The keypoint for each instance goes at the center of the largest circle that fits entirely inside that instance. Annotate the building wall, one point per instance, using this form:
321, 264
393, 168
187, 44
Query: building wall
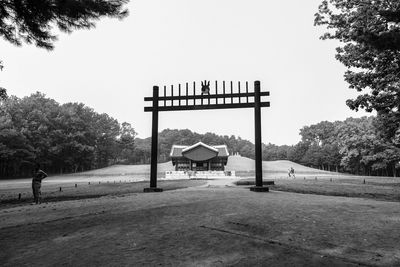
215, 164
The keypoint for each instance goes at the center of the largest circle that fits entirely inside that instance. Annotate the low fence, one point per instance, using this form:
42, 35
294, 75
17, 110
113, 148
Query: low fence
199, 174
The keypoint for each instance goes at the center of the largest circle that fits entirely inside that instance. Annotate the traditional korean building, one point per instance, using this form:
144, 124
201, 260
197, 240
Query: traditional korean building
199, 157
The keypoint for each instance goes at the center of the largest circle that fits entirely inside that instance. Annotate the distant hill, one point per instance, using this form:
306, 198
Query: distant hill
246, 167
242, 165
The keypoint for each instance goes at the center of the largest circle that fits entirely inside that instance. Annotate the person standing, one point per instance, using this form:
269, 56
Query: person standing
38, 176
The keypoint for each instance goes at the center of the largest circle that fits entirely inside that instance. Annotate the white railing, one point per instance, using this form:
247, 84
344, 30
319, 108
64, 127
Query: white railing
199, 174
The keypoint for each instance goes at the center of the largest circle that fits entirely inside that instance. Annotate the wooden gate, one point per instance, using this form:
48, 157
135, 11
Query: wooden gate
222, 97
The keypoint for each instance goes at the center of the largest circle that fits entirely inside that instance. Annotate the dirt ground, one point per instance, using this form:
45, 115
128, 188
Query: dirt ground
215, 224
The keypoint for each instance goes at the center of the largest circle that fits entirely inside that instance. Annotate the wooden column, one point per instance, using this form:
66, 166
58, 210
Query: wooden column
154, 144
258, 145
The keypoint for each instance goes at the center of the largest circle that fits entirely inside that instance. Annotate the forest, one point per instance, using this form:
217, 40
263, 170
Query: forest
62, 138
71, 137
355, 145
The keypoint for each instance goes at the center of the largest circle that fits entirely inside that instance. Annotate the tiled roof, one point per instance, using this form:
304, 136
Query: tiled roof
199, 144
176, 150
222, 151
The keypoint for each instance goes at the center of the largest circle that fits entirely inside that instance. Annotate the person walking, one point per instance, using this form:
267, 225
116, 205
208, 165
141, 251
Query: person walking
38, 176
292, 172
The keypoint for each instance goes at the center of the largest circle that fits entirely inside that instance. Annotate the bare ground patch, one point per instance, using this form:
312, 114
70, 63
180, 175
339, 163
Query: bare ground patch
203, 227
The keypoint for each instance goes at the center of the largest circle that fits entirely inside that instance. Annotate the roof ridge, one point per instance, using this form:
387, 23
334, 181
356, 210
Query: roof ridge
200, 144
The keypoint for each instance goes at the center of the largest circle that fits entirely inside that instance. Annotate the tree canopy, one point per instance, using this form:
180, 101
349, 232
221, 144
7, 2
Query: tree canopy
33, 21
63, 138
3, 91
370, 33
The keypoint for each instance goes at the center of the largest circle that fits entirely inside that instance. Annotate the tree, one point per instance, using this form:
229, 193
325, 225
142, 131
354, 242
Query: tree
370, 32
64, 138
3, 91
33, 21
127, 143
297, 152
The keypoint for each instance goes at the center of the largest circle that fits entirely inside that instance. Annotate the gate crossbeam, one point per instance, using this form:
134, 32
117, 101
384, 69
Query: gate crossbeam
210, 96
210, 106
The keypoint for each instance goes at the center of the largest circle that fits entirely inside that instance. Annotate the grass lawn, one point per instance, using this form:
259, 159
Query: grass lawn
52, 193
380, 188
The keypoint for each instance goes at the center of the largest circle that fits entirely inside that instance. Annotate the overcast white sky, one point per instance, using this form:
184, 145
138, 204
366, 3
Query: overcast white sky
112, 67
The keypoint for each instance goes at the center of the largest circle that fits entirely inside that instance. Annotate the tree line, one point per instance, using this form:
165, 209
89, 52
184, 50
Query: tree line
73, 137
62, 138
169, 137
369, 36
358, 146
355, 145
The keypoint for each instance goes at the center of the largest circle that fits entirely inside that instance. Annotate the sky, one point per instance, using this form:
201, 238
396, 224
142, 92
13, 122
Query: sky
112, 67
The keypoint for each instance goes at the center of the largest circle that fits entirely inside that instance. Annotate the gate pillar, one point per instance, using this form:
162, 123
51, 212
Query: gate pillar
154, 144
258, 145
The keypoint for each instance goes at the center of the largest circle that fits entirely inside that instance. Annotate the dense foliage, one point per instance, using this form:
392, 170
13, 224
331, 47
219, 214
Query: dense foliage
3, 91
33, 21
63, 138
353, 145
370, 33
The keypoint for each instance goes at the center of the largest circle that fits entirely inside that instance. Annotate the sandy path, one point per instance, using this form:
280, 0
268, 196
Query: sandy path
203, 226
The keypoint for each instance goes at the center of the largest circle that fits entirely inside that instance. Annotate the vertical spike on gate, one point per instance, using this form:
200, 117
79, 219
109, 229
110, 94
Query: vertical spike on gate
231, 92
209, 97
194, 93
201, 100
239, 92
223, 90
216, 92
179, 86
187, 94
165, 94
172, 94
247, 92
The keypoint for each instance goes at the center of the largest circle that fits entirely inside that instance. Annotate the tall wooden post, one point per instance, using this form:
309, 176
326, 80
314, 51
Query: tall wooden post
154, 144
258, 145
